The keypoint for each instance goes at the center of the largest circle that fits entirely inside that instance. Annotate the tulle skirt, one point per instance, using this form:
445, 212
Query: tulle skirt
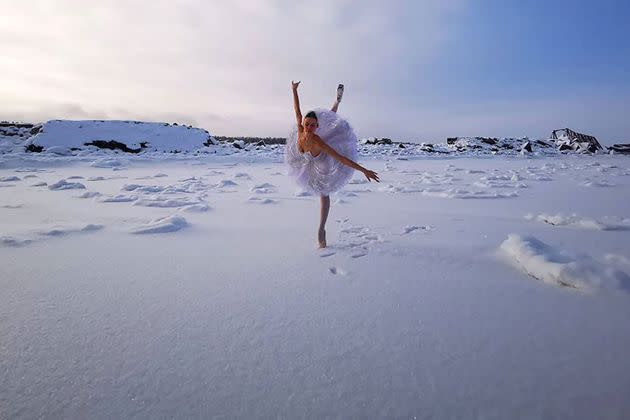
323, 175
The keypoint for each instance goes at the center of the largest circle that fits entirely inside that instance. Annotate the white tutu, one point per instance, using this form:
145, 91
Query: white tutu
323, 174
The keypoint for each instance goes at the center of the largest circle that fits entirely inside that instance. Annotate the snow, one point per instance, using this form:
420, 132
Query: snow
62, 184
60, 136
579, 222
162, 225
449, 290
558, 267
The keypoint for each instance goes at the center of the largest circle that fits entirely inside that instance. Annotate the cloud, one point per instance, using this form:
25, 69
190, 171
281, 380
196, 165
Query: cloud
197, 59
226, 65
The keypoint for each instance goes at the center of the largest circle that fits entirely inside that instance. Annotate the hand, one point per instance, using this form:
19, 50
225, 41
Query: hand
294, 85
371, 175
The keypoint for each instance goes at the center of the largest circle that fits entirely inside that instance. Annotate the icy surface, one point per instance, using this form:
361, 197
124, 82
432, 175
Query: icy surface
168, 292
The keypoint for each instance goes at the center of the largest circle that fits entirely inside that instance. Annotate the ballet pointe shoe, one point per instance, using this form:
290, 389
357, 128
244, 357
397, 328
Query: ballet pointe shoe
339, 92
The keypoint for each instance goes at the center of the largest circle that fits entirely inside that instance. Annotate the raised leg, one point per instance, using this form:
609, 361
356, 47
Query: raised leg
338, 98
321, 235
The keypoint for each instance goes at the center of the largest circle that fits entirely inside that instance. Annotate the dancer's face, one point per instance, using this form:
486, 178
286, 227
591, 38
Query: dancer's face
310, 125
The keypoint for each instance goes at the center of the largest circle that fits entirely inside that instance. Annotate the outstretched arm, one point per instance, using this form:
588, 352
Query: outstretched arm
348, 162
296, 104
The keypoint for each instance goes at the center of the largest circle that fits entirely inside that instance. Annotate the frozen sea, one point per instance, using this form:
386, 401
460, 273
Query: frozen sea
192, 287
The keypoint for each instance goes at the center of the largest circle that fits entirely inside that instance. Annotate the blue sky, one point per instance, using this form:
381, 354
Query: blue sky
414, 70
527, 48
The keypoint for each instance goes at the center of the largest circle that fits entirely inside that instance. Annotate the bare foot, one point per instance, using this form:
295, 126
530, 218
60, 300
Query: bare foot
321, 237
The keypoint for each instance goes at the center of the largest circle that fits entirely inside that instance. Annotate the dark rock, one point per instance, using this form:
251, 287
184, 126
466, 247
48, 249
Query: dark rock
238, 146
592, 148
17, 125
527, 147
34, 148
488, 140
451, 140
621, 148
565, 147
401, 146
248, 140
379, 141
115, 145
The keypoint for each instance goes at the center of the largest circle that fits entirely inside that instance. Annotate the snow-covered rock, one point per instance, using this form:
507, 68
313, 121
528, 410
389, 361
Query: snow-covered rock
569, 140
620, 148
13, 135
128, 136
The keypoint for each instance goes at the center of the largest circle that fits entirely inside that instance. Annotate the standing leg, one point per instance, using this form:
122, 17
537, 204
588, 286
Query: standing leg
321, 236
338, 99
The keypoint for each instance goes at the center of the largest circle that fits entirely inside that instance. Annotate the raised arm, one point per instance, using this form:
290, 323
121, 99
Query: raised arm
348, 162
296, 104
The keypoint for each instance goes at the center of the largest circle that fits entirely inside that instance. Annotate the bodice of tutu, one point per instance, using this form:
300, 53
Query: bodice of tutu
323, 174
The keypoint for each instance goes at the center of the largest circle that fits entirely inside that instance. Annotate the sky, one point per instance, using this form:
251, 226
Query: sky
417, 70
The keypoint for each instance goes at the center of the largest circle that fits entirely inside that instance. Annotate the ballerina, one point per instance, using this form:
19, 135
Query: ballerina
322, 162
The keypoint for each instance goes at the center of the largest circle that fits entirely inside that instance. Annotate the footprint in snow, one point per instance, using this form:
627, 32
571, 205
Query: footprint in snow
337, 270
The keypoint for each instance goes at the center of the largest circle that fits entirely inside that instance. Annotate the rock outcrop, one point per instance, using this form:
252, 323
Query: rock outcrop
567, 139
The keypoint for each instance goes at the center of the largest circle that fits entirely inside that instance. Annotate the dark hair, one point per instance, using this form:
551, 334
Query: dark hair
311, 114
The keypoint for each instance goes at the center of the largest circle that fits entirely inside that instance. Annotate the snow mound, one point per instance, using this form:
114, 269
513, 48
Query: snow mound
65, 230
578, 222
560, 268
65, 185
128, 136
226, 183
89, 194
12, 241
163, 202
162, 225
118, 198
466, 194
264, 188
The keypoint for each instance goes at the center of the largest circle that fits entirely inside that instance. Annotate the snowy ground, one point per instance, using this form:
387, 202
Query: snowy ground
456, 288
